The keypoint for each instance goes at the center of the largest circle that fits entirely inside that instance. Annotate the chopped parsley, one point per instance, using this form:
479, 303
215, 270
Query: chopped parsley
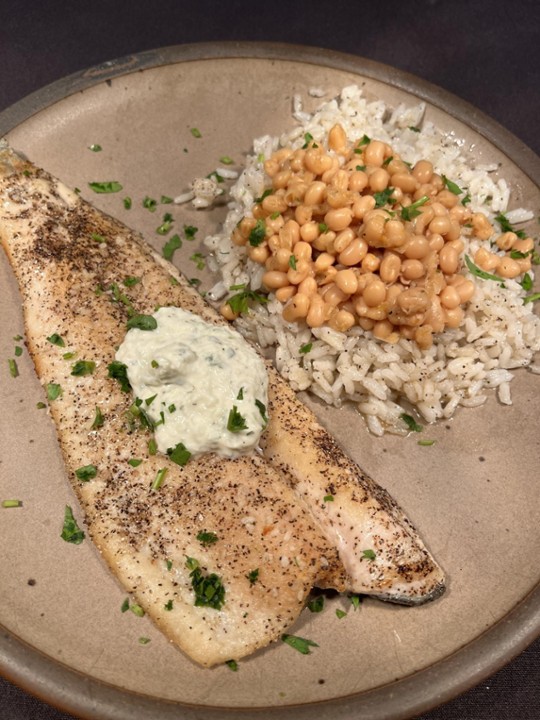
11, 503
118, 371
166, 200
426, 443
111, 186
86, 472
340, 613
179, 454
262, 409
171, 246
149, 203
98, 419
236, 422
316, 605
475, 270
411, 423
387, 161
54, 391
127, 203
454, 189
239, 303
292, 262
328, 498
83, 367
209, 590
411, 211
531, 298
232, 665
152, 446
137, 610
98, 238
368, 554
413, 128
18, 351
507, 227
95, 147
383, 198
13, 368
298, 643
168, 605
253, 576
226, 160
160, 477
258, 233
355, 601
142, 322
144, 640
131, 280
308, 137
240, 395
166, 225
69, 355
124, 607
199, 260
323, 227
195, 132
207, 538
56, 339
306, 348
134, 462
71, 532
526, 282
190, 231
41, 405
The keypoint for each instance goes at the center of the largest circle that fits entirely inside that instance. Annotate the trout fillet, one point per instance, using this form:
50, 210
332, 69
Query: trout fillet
277, 538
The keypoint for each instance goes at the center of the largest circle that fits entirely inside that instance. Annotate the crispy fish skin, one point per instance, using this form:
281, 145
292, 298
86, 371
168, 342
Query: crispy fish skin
47, 232
147, 535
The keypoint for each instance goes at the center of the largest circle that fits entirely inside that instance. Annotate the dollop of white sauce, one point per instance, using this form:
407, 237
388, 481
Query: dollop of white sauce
192, 377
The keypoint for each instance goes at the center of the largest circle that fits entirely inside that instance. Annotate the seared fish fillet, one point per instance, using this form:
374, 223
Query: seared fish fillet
268, 512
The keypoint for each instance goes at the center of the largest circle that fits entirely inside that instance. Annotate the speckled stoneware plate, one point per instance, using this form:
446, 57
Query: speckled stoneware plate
473, 495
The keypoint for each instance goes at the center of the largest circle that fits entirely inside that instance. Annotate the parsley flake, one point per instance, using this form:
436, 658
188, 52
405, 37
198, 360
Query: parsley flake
316, 605
13, 368
171, 246
111, 186
54, 391
86, 472
236, 422
207, 538
195, 132
253, 576
118, 371
298, 643
368, 554
98, 419
160, 477
142, 322
179, 454
306, 348
232, 665
411, 423
454, 189
258, 233
340, 613
12, 503
83, 367
56, 339
71, 532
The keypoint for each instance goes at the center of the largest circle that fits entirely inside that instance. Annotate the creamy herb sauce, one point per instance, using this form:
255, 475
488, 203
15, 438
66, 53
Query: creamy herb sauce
190, 376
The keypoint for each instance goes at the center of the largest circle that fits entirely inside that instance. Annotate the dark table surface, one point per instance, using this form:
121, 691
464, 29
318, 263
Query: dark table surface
487, 53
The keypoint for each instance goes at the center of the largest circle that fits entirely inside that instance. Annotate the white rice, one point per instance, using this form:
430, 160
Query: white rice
384, 380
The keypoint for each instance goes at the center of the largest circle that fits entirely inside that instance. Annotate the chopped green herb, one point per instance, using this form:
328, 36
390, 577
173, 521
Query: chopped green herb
262, 410
426, 443
168, 605
301, 644
166, 200
154, 364
199, 259
209, 590
160, 477
308, 137
316, 605
328, 498
168, 564
137, 610
150, 400
411, 211
232, 665
71, 532
207, 538
275, 215
466, 200
152, 446
98, 238
13, 368
360, 168
411, 423
166, 225
86, 472
69, 355
413, 128
239, 303
240, 395
125, 606
179, 454
306, 348
323, 228
236, 422
190, 231
18, 351
195, 282
368, 554
355, 601
149, 203
191, 563
118, 371
531, 298
98, 419
144, 640
387, 161
83, 367
364, 140
507, 227
216, 176
383, 198
253, 576
95, 147
195, 132
134, 462
226, 160
41, 405
131, 280
340, 613
18, 338
257, 235
526, 282
455, 189
56, 339
11, 503
292, 262
172, 408
127, 203
112, 186
474, 270
54, 391
171, 246
142, 322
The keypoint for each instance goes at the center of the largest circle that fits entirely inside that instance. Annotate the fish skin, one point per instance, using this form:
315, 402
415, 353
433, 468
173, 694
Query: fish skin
47, 232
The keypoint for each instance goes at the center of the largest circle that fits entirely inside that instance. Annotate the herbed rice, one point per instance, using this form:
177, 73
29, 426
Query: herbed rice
384, 380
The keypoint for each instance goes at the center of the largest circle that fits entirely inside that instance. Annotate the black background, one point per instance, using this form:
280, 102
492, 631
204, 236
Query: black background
487, 53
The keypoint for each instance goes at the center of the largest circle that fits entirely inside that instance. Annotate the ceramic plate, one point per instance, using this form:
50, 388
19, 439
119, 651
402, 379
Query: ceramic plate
472, 495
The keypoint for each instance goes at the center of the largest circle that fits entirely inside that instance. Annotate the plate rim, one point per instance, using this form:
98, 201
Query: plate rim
93, 699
